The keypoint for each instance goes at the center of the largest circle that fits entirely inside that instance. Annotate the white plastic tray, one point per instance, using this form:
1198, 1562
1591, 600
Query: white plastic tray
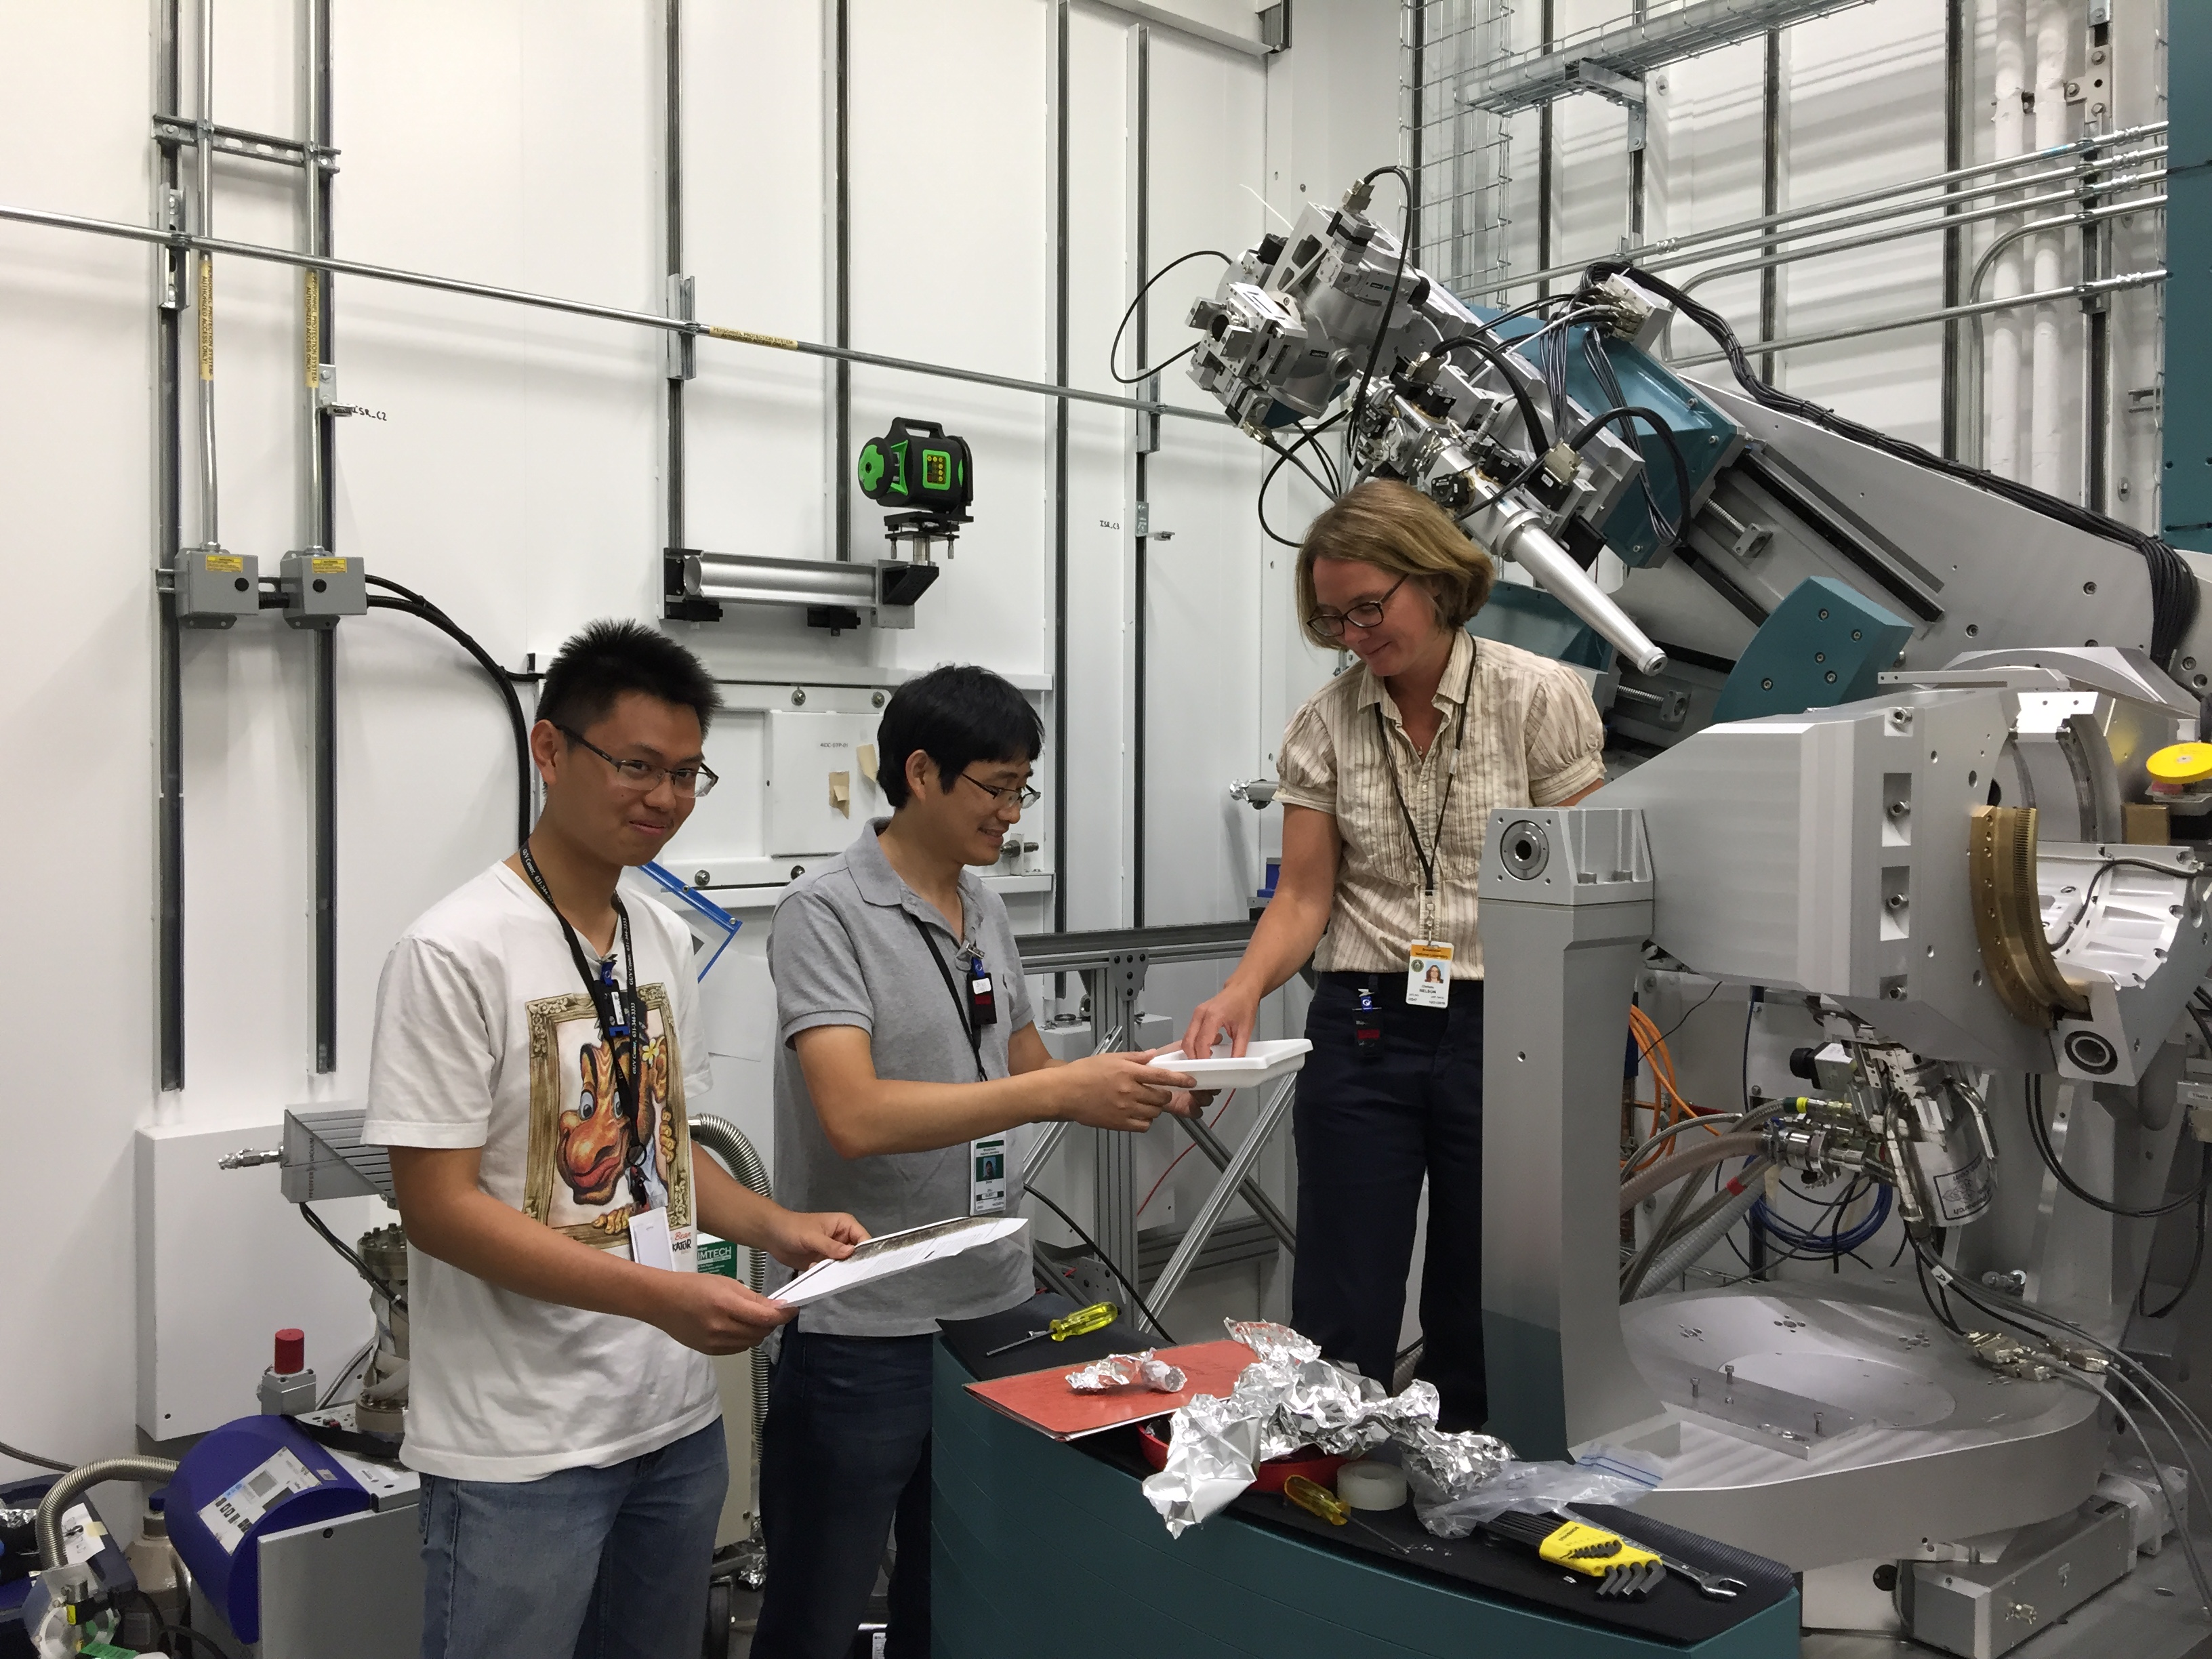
1263, 1062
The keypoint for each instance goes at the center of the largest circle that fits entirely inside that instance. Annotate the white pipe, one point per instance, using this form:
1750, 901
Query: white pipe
2047, 388
2003, 410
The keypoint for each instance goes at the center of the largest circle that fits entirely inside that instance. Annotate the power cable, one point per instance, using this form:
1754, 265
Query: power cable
2040, 1132
2172, 588
346, 1251
1260, 502
2197, 1254
1105, 1261
1389, 304
409, 602
1114, 351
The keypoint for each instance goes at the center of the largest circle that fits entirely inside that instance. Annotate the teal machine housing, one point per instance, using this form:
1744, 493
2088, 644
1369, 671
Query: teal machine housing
2186, 497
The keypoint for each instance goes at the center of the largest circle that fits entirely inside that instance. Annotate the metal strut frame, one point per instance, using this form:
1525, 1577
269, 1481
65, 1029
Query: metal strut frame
1114, 964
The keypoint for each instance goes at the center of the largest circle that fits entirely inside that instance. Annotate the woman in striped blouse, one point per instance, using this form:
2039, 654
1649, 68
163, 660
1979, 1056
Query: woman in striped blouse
1389, 775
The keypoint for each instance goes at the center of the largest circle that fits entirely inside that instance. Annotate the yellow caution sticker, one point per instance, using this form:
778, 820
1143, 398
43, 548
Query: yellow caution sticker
230, 562
330, 567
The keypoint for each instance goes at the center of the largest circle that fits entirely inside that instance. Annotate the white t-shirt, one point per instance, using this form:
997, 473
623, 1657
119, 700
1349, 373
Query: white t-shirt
486, 1037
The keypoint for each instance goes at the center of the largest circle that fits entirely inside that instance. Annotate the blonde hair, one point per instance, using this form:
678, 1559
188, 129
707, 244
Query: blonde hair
1395, 528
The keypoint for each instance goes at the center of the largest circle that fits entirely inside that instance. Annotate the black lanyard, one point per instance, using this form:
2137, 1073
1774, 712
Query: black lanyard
620, 1013
969, 1028
1428, 855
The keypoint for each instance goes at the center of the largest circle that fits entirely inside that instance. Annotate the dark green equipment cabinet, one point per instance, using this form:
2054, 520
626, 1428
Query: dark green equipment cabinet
1042, 1549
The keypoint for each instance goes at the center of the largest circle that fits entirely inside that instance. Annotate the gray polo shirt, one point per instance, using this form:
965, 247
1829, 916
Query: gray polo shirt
843, 952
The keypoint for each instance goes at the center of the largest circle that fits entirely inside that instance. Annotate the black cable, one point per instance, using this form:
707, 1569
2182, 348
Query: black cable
1502, 361
1105, 1261
1114, 351
414, 605
1669, 532
1687, 1012
350, 1255
2089, 893
2197, 1255
2040, 1132
1390, 304
2172, 589
1260, 502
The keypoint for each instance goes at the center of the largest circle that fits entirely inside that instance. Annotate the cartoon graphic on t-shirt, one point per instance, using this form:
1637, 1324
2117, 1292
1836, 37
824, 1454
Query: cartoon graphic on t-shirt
593, 1165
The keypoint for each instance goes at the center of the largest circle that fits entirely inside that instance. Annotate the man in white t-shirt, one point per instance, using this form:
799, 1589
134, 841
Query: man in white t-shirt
536, 1042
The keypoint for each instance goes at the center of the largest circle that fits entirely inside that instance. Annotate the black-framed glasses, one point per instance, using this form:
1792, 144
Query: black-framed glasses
1021, 791
644, 776
1368, 613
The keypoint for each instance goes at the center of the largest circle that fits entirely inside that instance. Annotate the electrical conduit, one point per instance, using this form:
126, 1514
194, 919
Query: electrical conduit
1671, 1263
2047, 411
1703, 1155
2002, 414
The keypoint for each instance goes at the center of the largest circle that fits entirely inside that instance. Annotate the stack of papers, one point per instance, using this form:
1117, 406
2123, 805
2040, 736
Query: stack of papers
894, 1253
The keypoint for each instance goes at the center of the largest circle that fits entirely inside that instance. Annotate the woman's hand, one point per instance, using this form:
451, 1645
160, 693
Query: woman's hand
1233, 1011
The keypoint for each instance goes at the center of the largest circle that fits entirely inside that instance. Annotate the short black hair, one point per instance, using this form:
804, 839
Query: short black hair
614, 656
957, 715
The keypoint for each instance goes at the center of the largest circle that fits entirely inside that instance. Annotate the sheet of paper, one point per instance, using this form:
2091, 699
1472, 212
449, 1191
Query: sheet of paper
895, 1252
866, 754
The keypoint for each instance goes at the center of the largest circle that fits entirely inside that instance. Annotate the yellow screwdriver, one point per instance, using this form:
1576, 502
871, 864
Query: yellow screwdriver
1084, 1320
1317, 1499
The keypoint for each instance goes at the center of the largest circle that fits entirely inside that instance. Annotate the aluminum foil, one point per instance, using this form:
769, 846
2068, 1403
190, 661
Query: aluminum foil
1122, 1372
1290, 1398
1443, 1469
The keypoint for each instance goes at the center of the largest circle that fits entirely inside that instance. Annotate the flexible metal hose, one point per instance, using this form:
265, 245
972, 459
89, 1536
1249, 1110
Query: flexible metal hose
1673, 1261
735, 1153
1668, 1170
74, 1485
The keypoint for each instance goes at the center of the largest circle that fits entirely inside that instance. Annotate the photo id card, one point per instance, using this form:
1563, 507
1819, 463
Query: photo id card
987, 1177
1428, 974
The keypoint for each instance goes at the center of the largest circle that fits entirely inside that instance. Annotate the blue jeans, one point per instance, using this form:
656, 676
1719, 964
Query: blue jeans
602, 1564
1371, 1122
844, 1460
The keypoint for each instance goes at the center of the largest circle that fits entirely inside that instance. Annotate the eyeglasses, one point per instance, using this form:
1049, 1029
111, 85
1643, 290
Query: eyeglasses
1021, 791
1367, 614
644, 776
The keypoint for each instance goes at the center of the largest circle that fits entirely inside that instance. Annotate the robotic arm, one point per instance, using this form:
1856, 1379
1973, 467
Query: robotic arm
1449, 409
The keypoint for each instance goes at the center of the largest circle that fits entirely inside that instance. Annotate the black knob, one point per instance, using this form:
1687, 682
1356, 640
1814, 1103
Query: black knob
1885, 1576
1801, 1064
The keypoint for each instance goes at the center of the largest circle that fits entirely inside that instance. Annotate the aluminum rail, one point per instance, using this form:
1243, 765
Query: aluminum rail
1203, 941
1649, 253
208, 246
1217, 1202
1206, 1142
2120, 284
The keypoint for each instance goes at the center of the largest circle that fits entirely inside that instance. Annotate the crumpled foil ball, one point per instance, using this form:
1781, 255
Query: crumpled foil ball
1291, 1397
1121, 1372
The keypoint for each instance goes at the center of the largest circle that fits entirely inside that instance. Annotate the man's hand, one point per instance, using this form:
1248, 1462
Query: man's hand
800, 1240
1122, 1091
713, 1314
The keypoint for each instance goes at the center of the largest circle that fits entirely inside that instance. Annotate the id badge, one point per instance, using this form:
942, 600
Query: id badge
1428, 974
650, 1242
986, 1175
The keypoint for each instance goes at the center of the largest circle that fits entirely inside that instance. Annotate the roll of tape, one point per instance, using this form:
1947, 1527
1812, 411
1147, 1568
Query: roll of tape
1371, 1486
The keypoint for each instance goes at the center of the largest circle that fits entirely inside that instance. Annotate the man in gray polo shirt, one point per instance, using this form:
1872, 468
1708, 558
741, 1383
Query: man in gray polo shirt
907, 1052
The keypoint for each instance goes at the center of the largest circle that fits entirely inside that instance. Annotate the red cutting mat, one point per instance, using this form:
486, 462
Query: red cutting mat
1044, 1401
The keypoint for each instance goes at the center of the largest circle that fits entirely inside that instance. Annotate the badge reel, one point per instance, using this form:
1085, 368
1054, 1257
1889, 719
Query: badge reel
988, 1155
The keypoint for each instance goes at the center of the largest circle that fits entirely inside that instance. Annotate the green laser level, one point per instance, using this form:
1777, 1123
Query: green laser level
919, 467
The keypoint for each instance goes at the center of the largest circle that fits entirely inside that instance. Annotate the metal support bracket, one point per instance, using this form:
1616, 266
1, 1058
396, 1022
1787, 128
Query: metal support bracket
1610, 84
680, 347
174, 131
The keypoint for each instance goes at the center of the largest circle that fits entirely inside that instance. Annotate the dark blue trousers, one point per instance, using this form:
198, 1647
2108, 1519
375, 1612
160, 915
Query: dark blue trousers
844, 1460
1373, 1120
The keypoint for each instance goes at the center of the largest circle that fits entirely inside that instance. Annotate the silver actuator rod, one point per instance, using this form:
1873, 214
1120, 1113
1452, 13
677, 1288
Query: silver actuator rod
1514, 533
